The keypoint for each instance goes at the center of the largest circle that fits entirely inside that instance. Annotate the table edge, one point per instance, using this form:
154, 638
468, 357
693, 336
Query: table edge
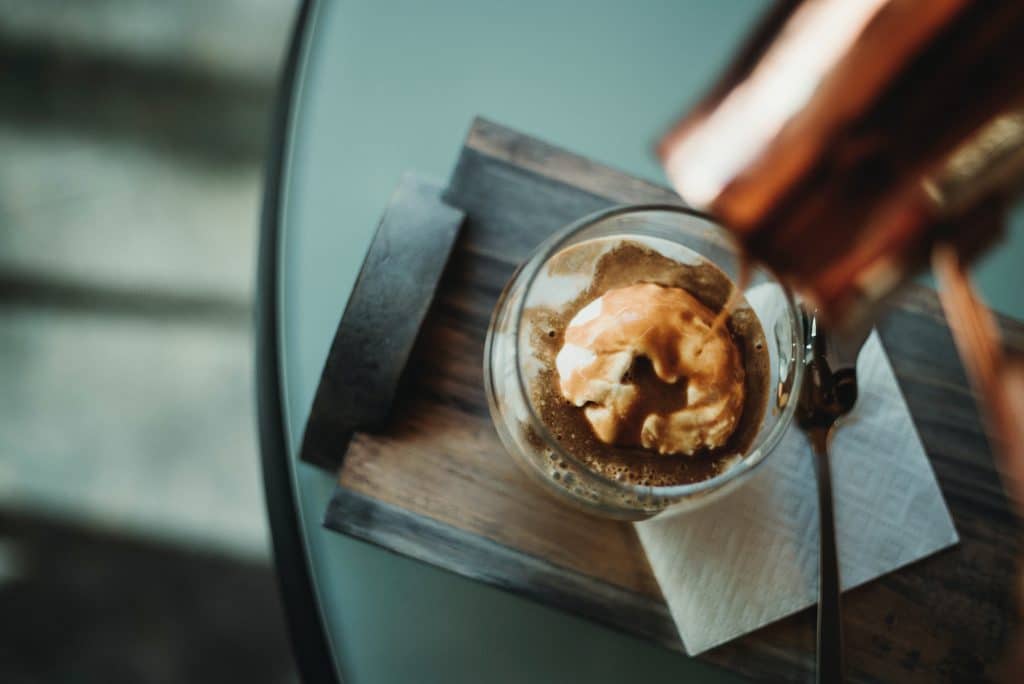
306, 629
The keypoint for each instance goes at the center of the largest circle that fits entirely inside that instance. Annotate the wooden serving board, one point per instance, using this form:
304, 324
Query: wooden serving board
435, 483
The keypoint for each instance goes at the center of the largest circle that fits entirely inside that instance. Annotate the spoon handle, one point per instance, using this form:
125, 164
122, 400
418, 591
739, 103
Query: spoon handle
830, 632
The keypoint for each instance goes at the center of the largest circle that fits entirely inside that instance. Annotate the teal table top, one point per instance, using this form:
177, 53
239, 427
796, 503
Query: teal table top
386, 86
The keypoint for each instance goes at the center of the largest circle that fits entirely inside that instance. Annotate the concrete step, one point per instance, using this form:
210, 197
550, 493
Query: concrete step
143, 424
233, 39
116, 214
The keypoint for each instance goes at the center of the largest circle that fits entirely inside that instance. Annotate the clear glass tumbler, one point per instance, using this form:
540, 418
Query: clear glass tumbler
507, 364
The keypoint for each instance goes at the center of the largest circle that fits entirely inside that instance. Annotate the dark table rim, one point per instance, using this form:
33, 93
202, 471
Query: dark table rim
310, 646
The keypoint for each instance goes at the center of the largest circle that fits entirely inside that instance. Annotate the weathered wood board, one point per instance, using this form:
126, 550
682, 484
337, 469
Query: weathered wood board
383, 317
436, 484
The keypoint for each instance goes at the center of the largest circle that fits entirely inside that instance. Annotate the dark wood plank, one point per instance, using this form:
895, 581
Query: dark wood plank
554, 163
436, 484
392, 294
510, 210
437, 446
478, 557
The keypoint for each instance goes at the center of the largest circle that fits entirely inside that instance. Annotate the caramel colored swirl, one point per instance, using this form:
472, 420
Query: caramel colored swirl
648, 371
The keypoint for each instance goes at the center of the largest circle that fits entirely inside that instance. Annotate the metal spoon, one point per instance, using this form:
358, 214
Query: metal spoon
829, 392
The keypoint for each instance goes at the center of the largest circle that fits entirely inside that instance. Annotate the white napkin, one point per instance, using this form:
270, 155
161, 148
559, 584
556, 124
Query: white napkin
751, 557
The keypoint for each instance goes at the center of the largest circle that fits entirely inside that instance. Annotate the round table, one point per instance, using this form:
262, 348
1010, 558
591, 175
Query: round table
372, 89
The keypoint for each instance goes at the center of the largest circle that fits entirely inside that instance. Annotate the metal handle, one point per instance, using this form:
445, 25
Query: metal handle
830, 622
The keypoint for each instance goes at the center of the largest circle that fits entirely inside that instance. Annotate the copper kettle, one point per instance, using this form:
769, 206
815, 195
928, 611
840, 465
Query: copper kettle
852, 141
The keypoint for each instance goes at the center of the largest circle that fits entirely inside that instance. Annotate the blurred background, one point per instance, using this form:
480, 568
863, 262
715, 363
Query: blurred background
133, 536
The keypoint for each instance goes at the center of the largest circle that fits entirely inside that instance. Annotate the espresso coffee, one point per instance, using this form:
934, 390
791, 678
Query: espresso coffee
639, 439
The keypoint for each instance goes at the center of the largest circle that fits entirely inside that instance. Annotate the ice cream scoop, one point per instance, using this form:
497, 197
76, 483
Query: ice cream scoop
646, 367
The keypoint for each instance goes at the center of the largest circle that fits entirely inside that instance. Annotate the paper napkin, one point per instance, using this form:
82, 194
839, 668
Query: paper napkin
751, 557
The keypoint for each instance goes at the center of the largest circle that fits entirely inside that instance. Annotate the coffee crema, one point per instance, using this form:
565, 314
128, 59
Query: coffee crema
629, 419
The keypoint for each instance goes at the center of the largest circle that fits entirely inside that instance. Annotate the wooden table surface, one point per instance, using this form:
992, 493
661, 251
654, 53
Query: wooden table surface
436, 484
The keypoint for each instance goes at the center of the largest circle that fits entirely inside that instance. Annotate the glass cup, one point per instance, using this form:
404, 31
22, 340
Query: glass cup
509, 361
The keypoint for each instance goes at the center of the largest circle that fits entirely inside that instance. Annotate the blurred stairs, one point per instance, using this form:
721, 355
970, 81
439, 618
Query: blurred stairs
133, 135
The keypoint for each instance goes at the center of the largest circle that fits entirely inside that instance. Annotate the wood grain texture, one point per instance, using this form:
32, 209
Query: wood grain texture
396, 285
437, 485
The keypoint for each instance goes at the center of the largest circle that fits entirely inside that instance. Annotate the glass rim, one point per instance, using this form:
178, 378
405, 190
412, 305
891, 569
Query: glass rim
748, 461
